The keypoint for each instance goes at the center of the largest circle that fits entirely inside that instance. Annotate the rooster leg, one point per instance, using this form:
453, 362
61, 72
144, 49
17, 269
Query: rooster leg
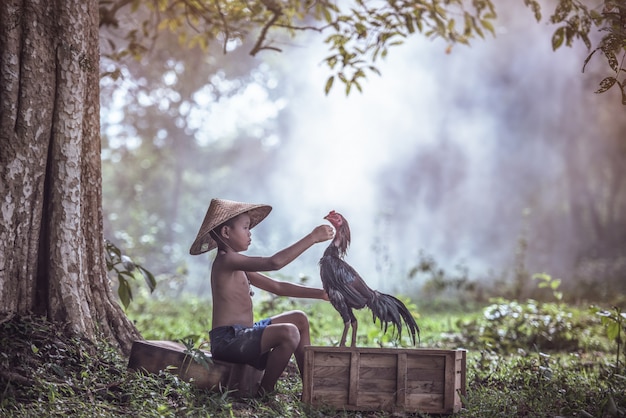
346, 325
355, 325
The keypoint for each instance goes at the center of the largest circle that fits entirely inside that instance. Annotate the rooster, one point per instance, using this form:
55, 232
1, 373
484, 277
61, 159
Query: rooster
346, 289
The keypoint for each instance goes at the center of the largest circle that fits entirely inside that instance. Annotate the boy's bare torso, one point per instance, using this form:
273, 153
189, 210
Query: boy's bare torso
232, 303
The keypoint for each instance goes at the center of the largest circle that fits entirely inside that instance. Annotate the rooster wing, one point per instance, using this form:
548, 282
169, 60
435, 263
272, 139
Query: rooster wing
345, 288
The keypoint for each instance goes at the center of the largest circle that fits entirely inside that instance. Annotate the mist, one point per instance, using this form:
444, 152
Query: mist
459, 155
451, 154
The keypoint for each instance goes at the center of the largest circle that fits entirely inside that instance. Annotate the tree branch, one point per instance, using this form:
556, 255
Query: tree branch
276, 12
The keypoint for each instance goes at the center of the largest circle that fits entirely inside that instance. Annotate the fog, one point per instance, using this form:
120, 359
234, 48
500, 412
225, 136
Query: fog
457, 155
446, 153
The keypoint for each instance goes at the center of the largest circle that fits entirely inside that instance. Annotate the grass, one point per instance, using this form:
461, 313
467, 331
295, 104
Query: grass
531, 359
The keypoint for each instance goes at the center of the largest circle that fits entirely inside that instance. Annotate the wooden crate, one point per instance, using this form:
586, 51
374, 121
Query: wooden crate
385, 379
153, 356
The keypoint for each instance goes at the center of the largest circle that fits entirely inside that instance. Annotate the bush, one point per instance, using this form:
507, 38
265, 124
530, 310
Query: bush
506, 326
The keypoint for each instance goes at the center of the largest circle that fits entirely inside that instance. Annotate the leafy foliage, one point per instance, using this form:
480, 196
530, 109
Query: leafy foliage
506, 326
361, 31
366, 33
123, 267
615, 324
548, 282
575, 21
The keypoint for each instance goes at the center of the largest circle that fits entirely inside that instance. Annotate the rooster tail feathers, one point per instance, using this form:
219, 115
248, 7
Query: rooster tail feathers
391, 311
411, 324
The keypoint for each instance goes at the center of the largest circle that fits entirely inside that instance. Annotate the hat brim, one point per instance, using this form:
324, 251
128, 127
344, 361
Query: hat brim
220, 211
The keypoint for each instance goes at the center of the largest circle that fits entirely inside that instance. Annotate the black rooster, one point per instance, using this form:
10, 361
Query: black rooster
346, 289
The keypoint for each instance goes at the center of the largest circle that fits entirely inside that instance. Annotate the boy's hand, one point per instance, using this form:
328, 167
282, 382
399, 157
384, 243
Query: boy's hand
323, 233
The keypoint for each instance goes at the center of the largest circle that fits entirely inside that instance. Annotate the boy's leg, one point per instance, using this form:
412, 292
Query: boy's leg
301, 321
282, 339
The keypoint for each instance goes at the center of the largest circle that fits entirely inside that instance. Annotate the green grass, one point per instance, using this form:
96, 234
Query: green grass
526, 359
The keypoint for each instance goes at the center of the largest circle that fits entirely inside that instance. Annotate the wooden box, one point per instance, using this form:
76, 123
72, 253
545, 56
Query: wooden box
153, 356
385, 379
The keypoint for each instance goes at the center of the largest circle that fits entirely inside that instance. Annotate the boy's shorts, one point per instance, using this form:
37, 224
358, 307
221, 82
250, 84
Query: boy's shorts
240, 344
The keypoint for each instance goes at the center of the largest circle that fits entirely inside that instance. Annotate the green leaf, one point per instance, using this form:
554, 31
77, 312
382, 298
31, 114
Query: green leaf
451, 24
408, 22
329, 84
124, 292
612, 331
488, 25
606, 84
374, 69
557, 38
611, 59
149, 278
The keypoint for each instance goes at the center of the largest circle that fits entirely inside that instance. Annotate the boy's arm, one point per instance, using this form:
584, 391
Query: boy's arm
236, 261
281, 288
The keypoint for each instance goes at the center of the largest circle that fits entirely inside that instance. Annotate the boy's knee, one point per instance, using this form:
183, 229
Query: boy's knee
301, 320
292, 334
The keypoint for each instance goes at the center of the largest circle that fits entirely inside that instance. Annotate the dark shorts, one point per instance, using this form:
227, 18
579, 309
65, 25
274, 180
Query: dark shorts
240, 344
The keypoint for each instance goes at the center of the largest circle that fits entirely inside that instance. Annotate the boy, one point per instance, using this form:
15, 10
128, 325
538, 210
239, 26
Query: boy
269, 343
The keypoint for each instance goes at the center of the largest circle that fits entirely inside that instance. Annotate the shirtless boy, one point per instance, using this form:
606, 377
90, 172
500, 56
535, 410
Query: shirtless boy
267, 344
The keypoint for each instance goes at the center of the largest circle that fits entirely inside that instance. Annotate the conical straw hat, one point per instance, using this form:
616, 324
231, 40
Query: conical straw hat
220, 211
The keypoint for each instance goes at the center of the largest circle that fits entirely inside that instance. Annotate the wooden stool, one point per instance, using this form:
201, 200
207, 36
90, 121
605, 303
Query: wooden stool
153, 356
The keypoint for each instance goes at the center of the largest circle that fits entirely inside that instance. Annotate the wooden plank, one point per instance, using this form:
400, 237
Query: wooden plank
437, 375
425, 386
332, 384
426, 402
321, 372
401, 380
382, 373
330, 399
353, 395
376, 401
461, 380
426, 362
378, 360
378, 385
308, 387
449, 381
332, 359
340, 374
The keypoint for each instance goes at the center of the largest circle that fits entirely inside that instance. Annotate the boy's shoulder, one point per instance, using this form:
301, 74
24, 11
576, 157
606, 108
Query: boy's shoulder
221, 265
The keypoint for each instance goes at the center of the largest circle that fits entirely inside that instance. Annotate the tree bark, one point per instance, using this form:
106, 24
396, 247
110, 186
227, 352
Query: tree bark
51, 240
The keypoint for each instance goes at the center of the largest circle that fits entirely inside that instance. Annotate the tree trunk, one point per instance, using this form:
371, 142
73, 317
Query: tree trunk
51, 240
